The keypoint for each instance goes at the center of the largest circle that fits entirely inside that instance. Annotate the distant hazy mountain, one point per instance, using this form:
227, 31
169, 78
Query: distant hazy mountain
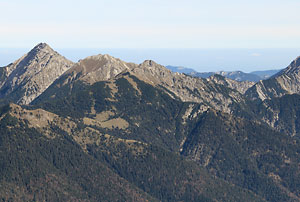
265, 74
235, 75
180, 69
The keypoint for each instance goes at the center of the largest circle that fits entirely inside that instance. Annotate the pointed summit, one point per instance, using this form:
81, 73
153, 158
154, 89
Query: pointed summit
149, 63
293, 68
284, 82
152, 73
29, 76
40, 50
296, 62
154, 68
41, 46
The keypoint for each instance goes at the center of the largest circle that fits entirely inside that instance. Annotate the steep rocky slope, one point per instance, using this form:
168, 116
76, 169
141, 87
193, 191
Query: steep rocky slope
29, 76
223, 95
282, 114
190, 89
240, 86
285, 82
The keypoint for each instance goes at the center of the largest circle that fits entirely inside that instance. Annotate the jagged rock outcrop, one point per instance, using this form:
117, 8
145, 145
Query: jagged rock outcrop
32, 74
285, 82
240, 86
190, 89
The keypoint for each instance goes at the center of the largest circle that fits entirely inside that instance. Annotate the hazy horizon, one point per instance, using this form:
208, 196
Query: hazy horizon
201, 60
203, 35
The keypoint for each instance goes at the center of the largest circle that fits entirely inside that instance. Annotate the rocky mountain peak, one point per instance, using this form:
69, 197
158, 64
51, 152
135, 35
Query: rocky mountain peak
287, 81
152, 66
293, 68
153, 73
296, 62
100, 57
98, 68
41, 50
41, 46
149, 63
33, 73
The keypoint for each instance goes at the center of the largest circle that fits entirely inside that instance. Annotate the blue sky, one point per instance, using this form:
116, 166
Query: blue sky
151, 24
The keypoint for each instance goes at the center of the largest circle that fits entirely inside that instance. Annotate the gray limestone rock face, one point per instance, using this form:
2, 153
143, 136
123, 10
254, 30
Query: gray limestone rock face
32, 74
191, 89
284, 82
240, 86
98, 68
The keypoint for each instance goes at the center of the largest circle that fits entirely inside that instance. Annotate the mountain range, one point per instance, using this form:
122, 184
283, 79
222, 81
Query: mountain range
254, 76
103, 129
